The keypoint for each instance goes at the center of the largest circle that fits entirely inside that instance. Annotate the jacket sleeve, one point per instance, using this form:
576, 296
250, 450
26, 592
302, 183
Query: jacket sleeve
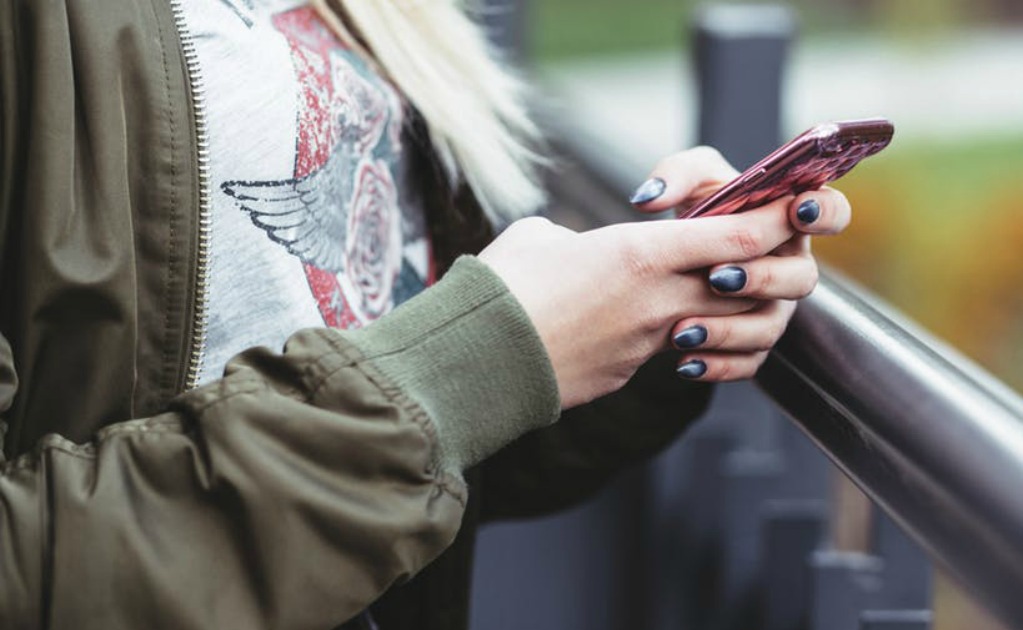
558, 466
290, 493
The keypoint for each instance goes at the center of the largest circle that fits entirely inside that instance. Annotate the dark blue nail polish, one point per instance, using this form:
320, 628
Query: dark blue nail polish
691, 337
648, 191
728, 279
692, 369
808, 211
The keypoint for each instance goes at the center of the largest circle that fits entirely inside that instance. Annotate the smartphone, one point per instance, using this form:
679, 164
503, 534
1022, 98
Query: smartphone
815, 157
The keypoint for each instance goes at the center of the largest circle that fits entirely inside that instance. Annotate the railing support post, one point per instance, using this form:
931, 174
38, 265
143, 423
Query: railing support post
845, 584
896, 620
792, 532
740, 53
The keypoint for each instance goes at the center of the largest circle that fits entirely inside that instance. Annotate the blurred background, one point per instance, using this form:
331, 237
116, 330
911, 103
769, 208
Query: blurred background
938, 227
938, 216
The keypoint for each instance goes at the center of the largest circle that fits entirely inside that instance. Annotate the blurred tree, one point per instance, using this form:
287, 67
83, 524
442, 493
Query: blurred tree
921, 16
931, 15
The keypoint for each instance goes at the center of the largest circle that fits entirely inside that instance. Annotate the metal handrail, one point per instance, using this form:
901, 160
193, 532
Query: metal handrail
935, 440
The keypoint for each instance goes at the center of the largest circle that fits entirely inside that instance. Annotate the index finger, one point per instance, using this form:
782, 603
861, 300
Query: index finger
707, 241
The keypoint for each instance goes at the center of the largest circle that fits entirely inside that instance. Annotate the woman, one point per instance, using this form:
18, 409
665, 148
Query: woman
184, 184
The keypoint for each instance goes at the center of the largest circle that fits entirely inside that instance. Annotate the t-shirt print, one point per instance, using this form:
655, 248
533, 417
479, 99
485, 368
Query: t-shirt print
339, 213
313, 220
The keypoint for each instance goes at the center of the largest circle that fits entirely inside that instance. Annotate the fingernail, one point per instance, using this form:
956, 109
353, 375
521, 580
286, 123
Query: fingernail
648, 191
808, 211
692, 369
728, 279
691, 337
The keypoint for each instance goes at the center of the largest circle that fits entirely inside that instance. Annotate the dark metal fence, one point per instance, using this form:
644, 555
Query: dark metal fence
935, 441
732, 528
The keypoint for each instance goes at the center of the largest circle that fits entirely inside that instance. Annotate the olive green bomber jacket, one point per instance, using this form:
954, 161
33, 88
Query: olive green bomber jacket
301, 486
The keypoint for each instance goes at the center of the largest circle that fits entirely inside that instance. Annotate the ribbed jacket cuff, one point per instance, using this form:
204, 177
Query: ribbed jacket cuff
466, 351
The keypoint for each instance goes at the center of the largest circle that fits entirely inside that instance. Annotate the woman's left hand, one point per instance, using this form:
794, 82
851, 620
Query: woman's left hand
733, 347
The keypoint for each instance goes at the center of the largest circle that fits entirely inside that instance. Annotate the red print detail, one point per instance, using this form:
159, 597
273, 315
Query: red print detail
372, 231
321, 105
311, 44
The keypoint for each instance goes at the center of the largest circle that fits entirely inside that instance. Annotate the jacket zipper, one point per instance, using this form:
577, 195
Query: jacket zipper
197, 343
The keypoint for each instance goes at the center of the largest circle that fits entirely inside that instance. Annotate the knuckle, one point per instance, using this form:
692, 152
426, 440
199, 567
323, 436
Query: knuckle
531, 223
617, 380
524, 227
650, 322
746, 241
774, 332
707, 152
715, 161
744, 367
725, 370
724, 335
758, 360
623, 370
635, 257
810, 279
764, 280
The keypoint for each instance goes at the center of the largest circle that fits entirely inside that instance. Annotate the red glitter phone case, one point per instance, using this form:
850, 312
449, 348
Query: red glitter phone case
814, 158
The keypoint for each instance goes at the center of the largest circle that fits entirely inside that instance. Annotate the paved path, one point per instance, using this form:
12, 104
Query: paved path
637, 108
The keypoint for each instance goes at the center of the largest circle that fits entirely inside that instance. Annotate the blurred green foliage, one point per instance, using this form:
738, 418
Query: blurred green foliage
569, 28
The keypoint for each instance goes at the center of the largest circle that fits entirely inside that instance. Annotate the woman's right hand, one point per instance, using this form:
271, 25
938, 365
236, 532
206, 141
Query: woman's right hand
605, 301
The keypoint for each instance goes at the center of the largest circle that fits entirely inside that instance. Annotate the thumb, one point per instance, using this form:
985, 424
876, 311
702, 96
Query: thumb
681, 178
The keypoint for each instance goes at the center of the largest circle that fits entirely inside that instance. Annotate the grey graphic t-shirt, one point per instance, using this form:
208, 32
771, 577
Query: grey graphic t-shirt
312, 221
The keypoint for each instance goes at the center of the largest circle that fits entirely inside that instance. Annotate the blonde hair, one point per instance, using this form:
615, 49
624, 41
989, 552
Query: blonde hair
473, 107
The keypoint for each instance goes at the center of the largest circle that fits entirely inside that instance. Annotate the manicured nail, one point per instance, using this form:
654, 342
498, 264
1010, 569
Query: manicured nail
648, 191
808, 211
692, 369
728, 279
691, 337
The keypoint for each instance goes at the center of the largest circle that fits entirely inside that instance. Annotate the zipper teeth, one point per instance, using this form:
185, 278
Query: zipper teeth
198, 92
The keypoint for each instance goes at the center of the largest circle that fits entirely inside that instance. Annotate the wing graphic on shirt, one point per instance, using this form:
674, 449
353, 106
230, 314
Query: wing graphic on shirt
308, 216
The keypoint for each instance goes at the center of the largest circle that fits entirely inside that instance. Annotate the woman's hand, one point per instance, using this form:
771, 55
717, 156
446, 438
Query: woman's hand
606, 300
733, 347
